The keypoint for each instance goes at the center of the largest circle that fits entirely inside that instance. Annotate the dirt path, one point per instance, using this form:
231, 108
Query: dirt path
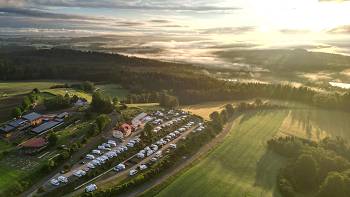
185, 163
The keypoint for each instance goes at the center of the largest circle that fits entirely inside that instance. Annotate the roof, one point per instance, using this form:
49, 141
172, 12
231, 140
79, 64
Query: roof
6, 128
35, 143
125, 126
32, 116
62, 115
45, 126
17, 123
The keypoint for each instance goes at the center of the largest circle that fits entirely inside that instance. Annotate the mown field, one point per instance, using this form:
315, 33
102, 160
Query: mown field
242, 166
316, 124
14, 88
113, 90
69, 91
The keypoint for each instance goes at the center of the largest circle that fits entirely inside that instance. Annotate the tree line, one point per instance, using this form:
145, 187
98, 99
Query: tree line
142, 76
322, 168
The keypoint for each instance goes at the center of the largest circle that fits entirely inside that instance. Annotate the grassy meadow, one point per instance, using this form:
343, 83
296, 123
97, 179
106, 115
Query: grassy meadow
15, 88
113, 90
69, 91
240, 166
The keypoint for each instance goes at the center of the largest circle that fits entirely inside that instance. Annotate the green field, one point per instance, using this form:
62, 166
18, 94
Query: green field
315, 124
69, 91
23, 87
113, 90
8, 177
240, 166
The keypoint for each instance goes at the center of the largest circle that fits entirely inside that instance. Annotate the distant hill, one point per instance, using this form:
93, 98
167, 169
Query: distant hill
26, 63
288, 60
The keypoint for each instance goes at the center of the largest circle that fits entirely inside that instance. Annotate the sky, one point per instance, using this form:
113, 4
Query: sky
186, 30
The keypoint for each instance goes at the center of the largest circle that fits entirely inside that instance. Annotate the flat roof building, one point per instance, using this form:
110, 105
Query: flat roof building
46, 127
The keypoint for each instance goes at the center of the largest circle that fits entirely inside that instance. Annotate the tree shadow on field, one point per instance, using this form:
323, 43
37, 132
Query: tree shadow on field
267, 169
249, 115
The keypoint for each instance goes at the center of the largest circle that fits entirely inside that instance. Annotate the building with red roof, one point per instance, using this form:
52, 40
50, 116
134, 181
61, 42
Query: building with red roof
126, 129
34, 145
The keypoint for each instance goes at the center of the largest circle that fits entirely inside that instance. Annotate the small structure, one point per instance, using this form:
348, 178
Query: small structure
118, 135
137, 121
126, 129
62, 115
47, 126
81, 102
5, 130
34, 145
18, 123
33, 118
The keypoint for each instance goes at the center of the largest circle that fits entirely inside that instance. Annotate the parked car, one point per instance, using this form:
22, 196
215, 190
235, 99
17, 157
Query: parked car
130, 145
133, 172
119, 167
143, 167
79, 173
97, 152
90, 188
173, 146
158, 154
91, 166
154, 159
149, 152
96, 162
62, 179
91, 157
54, 182
140, 155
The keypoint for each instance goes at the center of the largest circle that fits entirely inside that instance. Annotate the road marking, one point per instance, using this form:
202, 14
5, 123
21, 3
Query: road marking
41, 156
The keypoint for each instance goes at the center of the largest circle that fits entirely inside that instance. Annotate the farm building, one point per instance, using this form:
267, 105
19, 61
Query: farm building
34, 145
47, 126
5, 130
18, 123
33, 118
126, 129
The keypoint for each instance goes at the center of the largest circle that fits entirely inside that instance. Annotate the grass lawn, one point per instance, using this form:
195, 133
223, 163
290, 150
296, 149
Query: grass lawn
23, 87
7, 177
113, 90
240, 166
70, 91
4, 146
74, 131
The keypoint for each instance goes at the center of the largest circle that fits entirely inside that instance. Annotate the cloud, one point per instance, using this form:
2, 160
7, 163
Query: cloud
294, 31
13, 11
228, 30
345, 29
159, 21
179, 5
129, 24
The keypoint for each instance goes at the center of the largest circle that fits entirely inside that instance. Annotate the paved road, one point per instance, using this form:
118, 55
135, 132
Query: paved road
110, 175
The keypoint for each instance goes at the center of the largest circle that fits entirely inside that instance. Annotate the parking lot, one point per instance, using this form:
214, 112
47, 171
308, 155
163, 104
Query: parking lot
133, 163
111, 149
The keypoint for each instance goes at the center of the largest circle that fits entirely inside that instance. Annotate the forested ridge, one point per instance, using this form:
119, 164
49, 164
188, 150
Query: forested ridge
145, 77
